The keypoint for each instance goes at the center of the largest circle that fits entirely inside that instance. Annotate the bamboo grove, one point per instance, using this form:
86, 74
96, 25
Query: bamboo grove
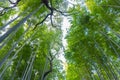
31, 40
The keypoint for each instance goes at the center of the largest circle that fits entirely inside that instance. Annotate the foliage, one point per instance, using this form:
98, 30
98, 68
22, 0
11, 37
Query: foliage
28, 52
93, 45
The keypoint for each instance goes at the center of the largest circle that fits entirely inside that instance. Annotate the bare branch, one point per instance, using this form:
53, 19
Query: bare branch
15, 3
52, 9
41, 21
50, 69
6, 9
11, 2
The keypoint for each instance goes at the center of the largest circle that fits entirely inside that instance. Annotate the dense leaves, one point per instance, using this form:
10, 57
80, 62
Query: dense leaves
93, 46
30, 52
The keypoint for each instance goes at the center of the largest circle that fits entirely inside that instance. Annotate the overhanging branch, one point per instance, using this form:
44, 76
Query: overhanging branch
52, 9
6, 9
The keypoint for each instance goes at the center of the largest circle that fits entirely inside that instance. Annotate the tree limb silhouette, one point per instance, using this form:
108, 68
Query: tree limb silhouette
50, 59
52, 9
6, 9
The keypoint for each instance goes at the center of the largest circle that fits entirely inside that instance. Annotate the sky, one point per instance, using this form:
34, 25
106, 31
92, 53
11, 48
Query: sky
65, 28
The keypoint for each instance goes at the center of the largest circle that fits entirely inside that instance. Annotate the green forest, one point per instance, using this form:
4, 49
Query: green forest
59, 39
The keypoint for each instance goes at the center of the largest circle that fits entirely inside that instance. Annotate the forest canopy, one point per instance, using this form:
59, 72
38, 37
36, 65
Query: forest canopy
59, 40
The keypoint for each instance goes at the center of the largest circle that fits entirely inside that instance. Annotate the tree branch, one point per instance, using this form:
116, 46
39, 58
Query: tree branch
50, 58
15, 3
52, 9
11, 2
5, 9
49, 71
41, 21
